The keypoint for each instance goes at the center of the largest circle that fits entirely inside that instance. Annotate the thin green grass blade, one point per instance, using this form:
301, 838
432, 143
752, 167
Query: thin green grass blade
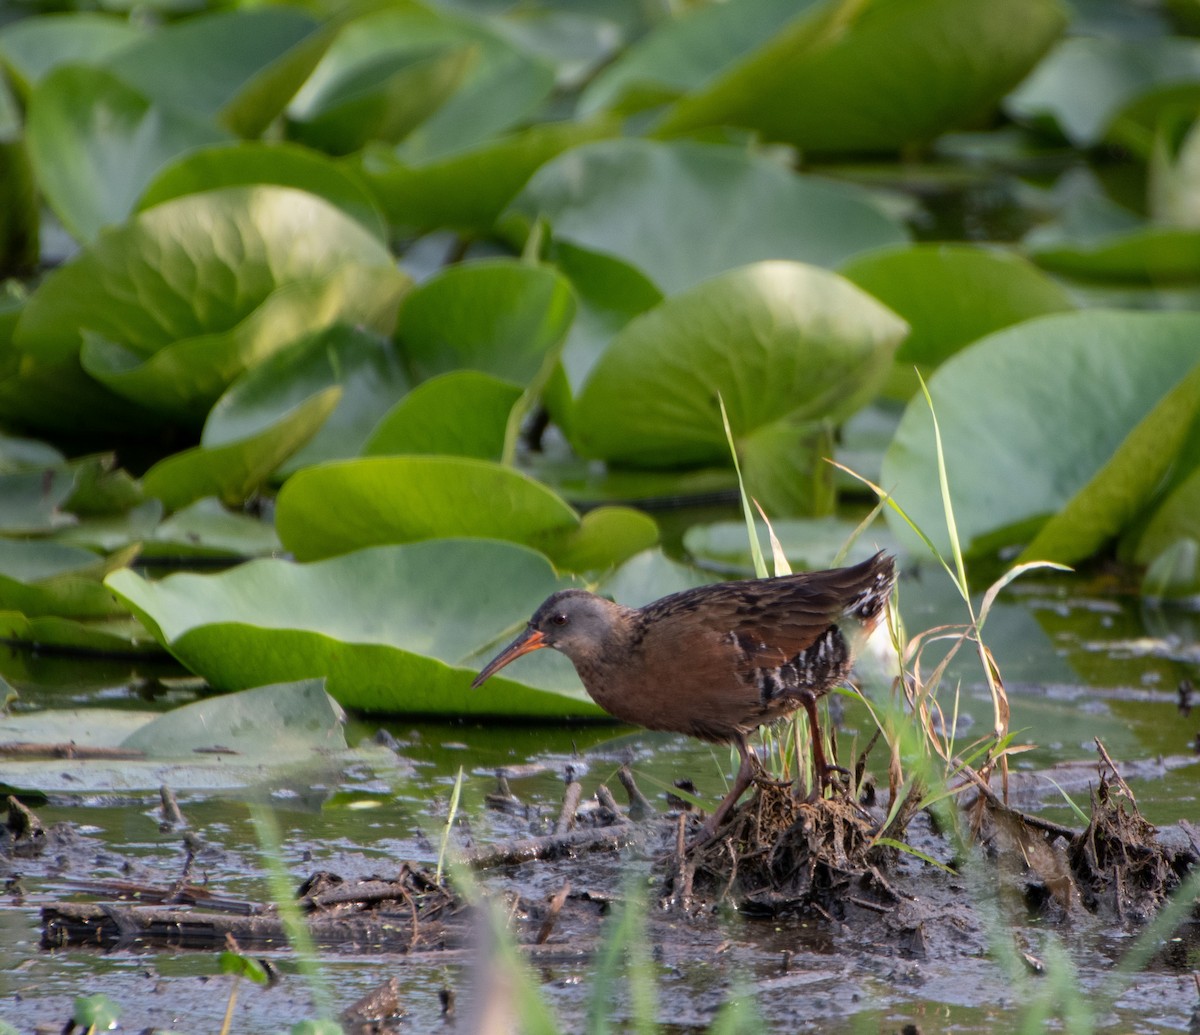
454, 797
756, 554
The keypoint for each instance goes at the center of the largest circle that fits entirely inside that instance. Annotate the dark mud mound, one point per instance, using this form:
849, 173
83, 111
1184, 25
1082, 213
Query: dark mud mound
780, 855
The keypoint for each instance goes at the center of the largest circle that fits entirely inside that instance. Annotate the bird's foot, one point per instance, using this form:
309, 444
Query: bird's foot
826, 782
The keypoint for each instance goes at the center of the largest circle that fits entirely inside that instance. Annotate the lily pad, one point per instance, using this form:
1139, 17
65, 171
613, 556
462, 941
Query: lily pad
468, 189
372, 94
809, 544
503, 317
306, 739
951, 295
463, 413
121, 635
402, 499
887, 74
39, 577
281, 164
182, 381
779, 341
683, 212
1084, 84
194, 266
1095, 409
685, 53
32, 48
237, 67
301, 716
96, 143
234, 471
364, 365
207, 528
400, 629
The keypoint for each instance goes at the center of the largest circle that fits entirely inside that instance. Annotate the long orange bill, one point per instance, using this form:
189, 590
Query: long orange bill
531, 639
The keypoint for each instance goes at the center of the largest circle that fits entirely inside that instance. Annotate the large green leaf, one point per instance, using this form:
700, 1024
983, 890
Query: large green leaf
401, 499
1086, 82
1094, 409
238, 67
372, 94
182, 381
467, 190
96, 142
887, 72
394, 628
284, 165
1148, 255
951, 294
682, 212
685, 53
463, 413
609, 294
364, 365
503, 317
194, 266
778, 341
213, 744
808, 544
123, 635
235, 471
32, 48
47, 578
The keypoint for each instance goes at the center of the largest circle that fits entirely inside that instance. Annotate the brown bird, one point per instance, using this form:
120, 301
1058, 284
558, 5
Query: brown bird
717, 661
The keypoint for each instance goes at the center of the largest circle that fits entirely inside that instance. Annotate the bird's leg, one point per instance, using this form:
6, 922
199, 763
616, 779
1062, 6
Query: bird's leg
743, 779
821, 767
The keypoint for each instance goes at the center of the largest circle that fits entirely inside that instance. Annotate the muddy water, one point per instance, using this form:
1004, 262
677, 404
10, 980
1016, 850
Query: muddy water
1077, 668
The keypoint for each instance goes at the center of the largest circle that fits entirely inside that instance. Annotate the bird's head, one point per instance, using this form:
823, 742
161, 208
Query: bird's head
577, 623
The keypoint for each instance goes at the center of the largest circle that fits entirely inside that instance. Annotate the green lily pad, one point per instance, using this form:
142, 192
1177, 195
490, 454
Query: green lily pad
1084, 84
237, 67
951, 295
503, 317
32, 48
779, 341
182, 381
43, 577
108, 532
400, 499
120, 635
364, 365
207, 528
361, 93
683, 212
685, 53
400, 629
235, 471
1095, 409
301, 716
196, 266
468, 189
809, 544
284, 165
887, 74
96, 143
463, 413
32, 500
1148, 255
609, 293
305, 739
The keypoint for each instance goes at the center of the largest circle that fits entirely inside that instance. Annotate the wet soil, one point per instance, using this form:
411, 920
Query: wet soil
797, 900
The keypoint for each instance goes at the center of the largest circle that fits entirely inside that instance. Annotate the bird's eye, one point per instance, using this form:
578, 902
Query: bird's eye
559, 619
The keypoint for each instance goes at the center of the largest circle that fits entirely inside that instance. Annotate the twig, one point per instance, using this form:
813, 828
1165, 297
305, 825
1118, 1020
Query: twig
172, 817
570, 805
551, 846
639, 804
555, 907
